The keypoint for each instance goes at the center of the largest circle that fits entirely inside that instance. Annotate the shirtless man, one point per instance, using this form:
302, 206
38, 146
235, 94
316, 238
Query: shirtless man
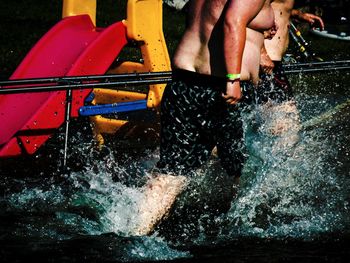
274, 86
199, 108
283, 9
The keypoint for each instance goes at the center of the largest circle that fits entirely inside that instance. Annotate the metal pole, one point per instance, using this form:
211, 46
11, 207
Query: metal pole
74, 79
67, 120
295, 33
315, 70
318, 64
129, 82
313, 67
122, 85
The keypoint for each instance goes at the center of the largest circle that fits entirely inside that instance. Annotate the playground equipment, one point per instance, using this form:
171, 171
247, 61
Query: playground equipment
147, 31
31, 118
303, 46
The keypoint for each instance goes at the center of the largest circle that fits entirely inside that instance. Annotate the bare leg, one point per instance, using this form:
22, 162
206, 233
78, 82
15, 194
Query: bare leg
208, 195
160, 194
281, 118
282, 121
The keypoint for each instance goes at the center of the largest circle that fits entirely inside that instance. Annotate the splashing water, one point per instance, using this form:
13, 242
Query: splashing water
294, 191
94, 202
293, 186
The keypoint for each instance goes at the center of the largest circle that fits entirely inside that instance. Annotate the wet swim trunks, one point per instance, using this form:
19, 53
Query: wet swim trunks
275, 87
195, 118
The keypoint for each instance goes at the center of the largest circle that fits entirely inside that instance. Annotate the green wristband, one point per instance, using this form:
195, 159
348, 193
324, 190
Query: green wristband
233, 77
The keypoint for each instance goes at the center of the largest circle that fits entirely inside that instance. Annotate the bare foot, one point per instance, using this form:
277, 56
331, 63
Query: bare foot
159, 195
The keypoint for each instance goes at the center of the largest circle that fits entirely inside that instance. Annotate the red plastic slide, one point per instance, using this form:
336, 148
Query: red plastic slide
73, 47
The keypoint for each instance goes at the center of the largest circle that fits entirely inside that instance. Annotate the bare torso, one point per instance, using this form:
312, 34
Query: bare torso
277, 46
201, 48
251, 56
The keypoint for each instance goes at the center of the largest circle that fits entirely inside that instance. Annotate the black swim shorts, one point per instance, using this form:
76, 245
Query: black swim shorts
194, 119
275, 87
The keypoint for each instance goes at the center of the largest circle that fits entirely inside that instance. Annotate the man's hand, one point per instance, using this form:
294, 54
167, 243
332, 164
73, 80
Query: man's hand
233, 92
312, 19
270, 33
309, 18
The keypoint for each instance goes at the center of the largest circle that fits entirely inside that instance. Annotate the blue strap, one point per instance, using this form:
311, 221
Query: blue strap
113, 108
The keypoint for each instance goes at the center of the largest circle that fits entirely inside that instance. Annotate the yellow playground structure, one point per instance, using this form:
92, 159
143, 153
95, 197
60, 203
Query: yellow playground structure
144, 26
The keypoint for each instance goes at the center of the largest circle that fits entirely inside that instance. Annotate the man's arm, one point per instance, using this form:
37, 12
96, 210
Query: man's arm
307, 17
238, 15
